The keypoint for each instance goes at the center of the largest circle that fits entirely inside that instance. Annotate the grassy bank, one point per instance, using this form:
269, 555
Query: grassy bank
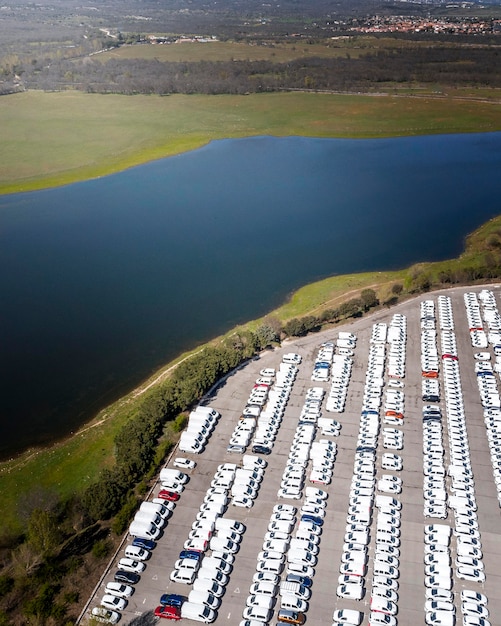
70, 466
52, 139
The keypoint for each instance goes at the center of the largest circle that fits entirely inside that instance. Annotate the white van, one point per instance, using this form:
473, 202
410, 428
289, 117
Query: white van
230, 524
388, 501
144, 529
157, 508
257, 613
197, 612
295, 589
204, 597
147, 516
187, 443
293, 603
343, 334
207, 411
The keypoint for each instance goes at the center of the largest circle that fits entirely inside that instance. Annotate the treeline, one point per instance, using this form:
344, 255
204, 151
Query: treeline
444, 66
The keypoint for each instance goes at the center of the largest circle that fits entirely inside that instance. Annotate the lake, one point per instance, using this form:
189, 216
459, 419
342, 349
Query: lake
104, 281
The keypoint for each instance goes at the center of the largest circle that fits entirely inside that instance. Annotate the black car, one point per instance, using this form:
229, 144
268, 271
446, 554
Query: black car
258, 449
146, 544
127, 577
297, 578
431, 398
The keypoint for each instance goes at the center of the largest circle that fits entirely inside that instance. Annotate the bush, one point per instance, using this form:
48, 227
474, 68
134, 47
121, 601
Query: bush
6, 584
121, 521
101, 549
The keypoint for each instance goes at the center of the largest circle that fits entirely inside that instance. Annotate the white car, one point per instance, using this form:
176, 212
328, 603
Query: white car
385, 581
439, 594
242, 502
105, 616
465, 572
351, 591
183, 463
130, 565
473, 609
121, 590
291, 358
473, 596
382, 619
438, 605
348, 616
260, 577
385, 593
301, 569
290, 493
113, 602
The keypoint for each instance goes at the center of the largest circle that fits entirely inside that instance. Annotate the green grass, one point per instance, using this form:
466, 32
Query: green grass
51, 139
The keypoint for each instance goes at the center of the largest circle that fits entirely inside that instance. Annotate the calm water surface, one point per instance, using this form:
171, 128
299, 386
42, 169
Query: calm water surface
104, 281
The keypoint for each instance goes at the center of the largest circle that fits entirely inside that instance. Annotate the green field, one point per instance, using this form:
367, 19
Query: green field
51, 139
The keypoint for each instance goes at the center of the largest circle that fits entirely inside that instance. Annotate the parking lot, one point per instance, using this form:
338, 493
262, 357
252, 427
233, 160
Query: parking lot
230, 399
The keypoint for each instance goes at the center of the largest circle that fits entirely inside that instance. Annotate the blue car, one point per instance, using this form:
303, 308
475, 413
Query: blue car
191, 554
306, 517
171, 599
146, 544
297, 578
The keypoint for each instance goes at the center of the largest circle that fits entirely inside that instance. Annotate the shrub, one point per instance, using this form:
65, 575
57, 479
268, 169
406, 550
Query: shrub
101, 549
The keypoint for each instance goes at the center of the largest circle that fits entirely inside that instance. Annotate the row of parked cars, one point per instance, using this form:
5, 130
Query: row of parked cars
478, 335
439, 605
397, 338
365, 491
434, 486
342, 364
489, 394
145, 529
270, 419
303, 452
292, 555
201, 423
206, 560
281, 550
262, 415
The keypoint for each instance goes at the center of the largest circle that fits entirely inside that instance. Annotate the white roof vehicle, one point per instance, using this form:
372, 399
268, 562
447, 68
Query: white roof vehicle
113, 602
348, 616
105, 616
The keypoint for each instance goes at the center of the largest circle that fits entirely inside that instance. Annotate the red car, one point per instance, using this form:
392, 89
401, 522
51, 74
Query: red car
168, 495
168, 612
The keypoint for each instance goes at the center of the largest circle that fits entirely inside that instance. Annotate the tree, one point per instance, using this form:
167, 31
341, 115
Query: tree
266, 335
369, 298
43, 532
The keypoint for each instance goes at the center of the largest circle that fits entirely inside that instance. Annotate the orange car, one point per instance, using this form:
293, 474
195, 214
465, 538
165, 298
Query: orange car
429, 374
396, 414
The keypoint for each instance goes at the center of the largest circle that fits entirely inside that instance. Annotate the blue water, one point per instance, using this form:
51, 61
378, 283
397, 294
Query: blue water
104, 281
